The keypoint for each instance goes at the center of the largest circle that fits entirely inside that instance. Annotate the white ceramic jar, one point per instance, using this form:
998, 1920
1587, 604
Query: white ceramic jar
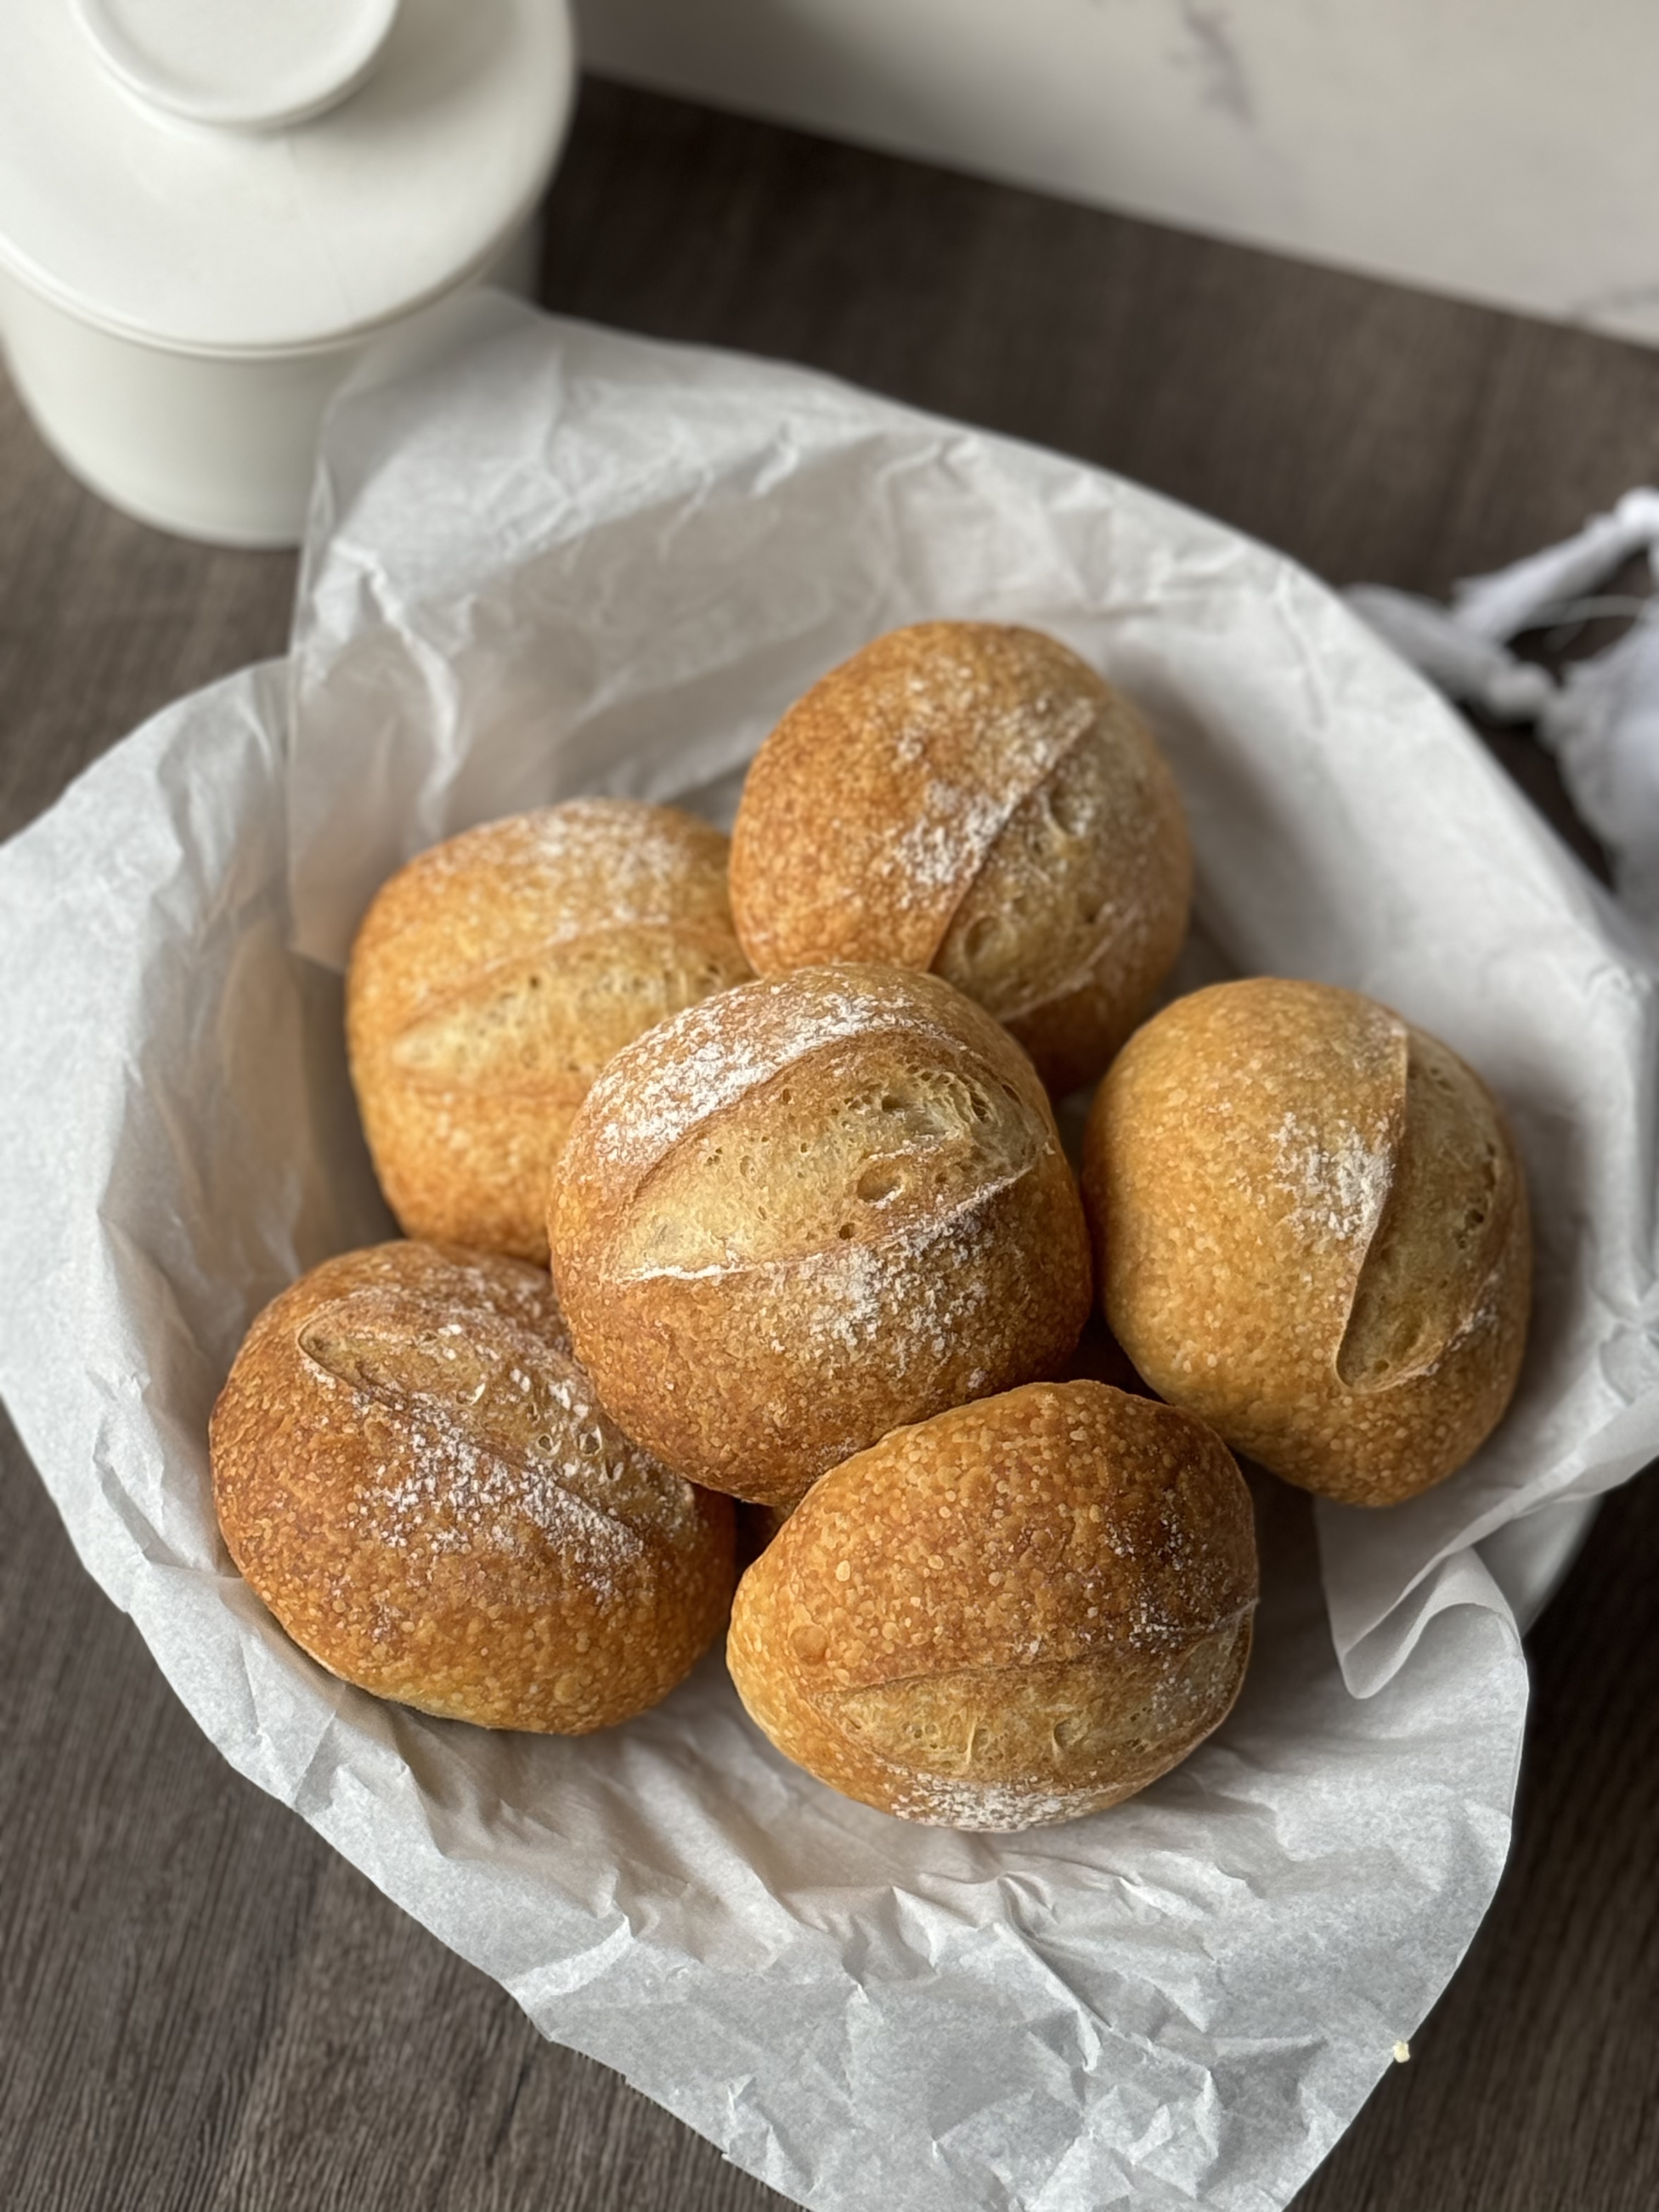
209, 208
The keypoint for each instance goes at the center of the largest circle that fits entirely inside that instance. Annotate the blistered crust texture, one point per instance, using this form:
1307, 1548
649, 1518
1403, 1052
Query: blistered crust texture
973, 799
416, 1477
1022, 1610
808, 1211
1312, 1230
493, 976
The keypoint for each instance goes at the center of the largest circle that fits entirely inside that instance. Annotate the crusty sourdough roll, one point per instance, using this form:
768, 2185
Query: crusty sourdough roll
806, 1211
972, 798
493, 976
1018, 1612
416, 1476
1312, 1232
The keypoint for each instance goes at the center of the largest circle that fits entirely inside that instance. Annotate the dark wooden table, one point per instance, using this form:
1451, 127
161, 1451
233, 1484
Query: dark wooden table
200, 2005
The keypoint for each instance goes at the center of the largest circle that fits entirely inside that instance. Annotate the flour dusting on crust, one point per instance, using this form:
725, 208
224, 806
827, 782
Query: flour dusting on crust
1337, 1182
686, 1071
651, 861
493, 1438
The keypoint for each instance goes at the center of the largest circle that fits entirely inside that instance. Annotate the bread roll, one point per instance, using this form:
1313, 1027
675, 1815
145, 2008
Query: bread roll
1018, 1612
493, 976
974, 800
415, 1475
810, 1209
1311, 1231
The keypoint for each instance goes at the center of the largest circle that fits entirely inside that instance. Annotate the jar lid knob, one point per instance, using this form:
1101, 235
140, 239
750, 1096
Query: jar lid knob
251, 65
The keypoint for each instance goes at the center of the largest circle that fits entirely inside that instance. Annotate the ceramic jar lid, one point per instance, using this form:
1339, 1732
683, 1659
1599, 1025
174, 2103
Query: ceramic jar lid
235, 176
239, 62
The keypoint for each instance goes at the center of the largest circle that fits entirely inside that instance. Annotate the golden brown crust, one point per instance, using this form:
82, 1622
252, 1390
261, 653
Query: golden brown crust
1020, 1611
416, 1476
493, 976
972, 798
1311, 1231
807, 1211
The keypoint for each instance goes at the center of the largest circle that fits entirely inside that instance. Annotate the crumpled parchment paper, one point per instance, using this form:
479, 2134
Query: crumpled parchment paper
1600, 719
547, 559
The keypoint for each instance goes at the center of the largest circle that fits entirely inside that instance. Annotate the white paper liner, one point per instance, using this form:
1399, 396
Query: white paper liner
551, 559
1601, 719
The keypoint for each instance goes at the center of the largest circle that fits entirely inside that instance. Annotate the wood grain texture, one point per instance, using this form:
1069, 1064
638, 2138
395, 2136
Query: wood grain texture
202, 2009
